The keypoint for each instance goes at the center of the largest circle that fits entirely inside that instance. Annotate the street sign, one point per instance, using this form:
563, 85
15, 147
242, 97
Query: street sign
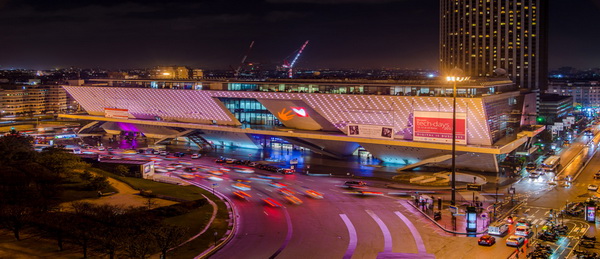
473, 187
459, 214
453, 209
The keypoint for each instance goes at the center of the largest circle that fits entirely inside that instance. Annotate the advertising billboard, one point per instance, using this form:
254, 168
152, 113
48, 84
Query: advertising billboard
437, 127
371, 131
116, 113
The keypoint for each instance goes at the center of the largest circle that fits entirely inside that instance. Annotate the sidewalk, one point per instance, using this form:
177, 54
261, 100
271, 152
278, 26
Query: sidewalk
458, 226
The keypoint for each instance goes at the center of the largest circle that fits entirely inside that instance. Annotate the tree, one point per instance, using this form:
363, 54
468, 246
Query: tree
86, 175
54, 225
98, 183
59, 161
15, 148
82, 228
122, 170
167, 237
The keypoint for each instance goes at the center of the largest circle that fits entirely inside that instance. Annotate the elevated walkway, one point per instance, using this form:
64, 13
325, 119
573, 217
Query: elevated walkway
319, 135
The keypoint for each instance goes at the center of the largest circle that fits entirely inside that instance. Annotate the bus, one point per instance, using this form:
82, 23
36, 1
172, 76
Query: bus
73, 149
551, 163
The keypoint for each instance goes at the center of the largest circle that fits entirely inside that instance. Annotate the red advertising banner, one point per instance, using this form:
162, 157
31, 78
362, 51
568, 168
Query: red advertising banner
116, 113
437, 127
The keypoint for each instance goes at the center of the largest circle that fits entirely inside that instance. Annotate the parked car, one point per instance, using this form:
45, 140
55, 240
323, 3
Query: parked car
196, 156
592, 187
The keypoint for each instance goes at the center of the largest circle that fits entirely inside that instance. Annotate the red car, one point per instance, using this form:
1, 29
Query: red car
486, 240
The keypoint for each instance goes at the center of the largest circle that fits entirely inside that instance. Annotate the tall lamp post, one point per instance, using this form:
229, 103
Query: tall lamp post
455, 77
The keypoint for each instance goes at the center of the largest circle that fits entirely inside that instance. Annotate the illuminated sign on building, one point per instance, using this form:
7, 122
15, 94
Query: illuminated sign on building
116, 113
437, 127
371, 131
300, 111
285, 115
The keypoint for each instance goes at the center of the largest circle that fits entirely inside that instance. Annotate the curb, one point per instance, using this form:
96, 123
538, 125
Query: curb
440, 226
229, 234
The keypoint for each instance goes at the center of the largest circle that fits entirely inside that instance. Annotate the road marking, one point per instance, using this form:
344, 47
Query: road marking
547, 212
288, 237
534, 222
575, 230
353, 239
387, 236
543, 222
415, 233
583, 230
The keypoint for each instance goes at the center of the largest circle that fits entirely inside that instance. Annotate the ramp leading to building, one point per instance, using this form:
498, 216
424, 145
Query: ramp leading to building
436, 159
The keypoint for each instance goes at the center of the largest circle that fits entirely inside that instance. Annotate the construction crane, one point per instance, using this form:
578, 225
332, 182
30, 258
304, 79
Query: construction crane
239, 68
290, 66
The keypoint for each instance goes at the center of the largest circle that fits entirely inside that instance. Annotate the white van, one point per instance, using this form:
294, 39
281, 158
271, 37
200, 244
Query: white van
498, 229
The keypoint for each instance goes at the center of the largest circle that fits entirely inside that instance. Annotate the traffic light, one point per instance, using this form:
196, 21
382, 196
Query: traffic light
540, 119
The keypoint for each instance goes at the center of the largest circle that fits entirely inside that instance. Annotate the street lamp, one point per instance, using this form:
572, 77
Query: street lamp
454, 78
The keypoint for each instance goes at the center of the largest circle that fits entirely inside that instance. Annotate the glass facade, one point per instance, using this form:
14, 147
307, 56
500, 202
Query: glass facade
250, 111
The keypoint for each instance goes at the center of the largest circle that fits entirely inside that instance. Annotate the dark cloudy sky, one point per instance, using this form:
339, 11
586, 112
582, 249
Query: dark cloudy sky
216, 33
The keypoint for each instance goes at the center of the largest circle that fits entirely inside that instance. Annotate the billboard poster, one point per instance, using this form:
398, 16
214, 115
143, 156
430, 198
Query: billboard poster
437, 127
371, 131
116, 113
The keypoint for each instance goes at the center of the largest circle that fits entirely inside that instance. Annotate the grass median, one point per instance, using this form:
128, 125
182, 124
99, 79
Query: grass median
195, 220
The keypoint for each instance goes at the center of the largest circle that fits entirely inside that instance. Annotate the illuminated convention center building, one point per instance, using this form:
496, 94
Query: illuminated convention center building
403, 122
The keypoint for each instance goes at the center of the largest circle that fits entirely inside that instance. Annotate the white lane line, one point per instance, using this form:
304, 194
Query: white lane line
415, 233
353, 239
387, 236
534, 222
543, 222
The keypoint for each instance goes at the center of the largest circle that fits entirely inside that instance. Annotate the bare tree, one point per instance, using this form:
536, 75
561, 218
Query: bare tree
167, 237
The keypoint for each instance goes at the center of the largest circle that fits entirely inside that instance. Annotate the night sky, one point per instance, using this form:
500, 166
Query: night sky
215, 34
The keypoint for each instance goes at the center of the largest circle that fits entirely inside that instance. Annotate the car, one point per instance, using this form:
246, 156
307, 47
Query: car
215, 172
565, 184
178, 154
592, 187
523, 222
486, 240
220, 161
514, 240
214, 178
597, 175
369, 193
272, 202
244, 170
196, 156
530, 166
293, 199
534, 175
314, 194
241, 186
230, 160
285, 170
552, 183
242, 195
540, 171
277, 185
253, 164
164, 153
285, 192
355, 183
522, 231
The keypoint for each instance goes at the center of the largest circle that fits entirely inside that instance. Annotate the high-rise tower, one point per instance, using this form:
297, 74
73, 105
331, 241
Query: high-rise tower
480, 36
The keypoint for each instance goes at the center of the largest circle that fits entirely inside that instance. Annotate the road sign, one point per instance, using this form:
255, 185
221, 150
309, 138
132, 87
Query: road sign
474, 187
214, 185
453, 209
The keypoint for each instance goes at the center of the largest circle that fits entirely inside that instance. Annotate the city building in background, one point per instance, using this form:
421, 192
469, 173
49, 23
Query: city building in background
585, 93
553, 108
170, 72
32, 99
480, 37
404, 122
